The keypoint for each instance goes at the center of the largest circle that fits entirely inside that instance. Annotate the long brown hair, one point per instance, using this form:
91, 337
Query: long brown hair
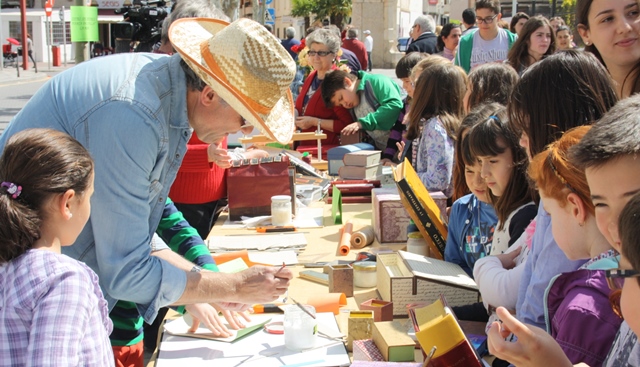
43, 163
439, 92
519, 56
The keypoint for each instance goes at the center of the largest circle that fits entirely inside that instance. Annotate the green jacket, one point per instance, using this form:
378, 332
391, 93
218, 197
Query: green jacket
383, 94
463, 56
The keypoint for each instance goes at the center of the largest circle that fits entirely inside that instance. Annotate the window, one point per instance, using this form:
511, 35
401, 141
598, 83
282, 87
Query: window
15, 32
57, 32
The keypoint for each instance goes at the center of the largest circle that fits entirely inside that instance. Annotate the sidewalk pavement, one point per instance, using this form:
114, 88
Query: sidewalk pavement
9, 75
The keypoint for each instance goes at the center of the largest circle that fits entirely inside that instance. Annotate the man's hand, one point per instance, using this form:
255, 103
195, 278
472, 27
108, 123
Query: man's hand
352, 128
205, 313
508, 260
533, 348
259, 284
219, 155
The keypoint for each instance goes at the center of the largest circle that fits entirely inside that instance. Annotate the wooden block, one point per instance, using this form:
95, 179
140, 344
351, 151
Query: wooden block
314, 276
360, 327
392, 340
341, 279
382, 310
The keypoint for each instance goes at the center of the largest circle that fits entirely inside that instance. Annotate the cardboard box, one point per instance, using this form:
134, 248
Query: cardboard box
366, 350
382, 310
390, 219
360, 327
405, 278
392, 340
335, 155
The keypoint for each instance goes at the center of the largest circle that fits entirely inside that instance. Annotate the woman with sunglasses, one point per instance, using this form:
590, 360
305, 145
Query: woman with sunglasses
312, 113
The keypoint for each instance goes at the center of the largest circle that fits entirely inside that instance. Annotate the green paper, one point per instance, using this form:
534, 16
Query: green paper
84, 24
336, 207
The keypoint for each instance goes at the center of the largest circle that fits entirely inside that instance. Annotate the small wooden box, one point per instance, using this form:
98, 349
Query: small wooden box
390, 219
382, 310
360, 327
366, 350
405, 278
341, 279
392, 340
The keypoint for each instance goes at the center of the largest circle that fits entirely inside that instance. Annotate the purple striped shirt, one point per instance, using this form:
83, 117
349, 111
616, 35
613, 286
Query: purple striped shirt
52, 313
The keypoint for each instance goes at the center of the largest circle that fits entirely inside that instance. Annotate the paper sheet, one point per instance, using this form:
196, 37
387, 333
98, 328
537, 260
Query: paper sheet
306, 217
328, 302
274, 257
180, 327
280, 241
260, 349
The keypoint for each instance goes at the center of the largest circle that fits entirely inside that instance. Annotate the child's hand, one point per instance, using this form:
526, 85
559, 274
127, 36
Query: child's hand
400, 146
387, 162
218, 155
352, 128
306, 122
508, 260
534, 346
232, 316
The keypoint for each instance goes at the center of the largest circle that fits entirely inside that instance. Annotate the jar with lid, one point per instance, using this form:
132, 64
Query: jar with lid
417, 244
281, 210
364, 274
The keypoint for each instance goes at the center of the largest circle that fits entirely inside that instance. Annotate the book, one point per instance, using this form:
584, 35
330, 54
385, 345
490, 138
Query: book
358, 172
362, 158
421, 207
180, 327
355, 189
375, 183
359, 199
436, 326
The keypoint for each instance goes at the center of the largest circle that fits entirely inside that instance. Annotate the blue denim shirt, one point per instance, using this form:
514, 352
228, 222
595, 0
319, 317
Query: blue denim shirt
130, 112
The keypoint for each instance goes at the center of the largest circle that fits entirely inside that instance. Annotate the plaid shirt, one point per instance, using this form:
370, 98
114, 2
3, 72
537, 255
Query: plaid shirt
52, 313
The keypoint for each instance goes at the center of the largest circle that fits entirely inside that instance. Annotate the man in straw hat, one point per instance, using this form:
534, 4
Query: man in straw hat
135, 114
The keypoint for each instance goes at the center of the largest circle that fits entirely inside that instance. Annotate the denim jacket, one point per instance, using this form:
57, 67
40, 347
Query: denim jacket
130, 112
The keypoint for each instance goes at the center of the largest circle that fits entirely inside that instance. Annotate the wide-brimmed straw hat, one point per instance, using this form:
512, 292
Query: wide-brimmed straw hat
246, 65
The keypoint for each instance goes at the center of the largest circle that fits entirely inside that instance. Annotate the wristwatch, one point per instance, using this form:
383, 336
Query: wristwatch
196, 269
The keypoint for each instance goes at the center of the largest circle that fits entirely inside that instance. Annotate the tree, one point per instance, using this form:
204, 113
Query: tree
304, 9
335, 10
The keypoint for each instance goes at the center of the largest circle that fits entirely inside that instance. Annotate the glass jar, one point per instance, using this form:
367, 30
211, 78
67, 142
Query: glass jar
364, 274
281, 210
416, 244
300, 329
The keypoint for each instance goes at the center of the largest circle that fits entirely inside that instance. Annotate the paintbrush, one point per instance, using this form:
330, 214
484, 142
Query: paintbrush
427, 359
303, 308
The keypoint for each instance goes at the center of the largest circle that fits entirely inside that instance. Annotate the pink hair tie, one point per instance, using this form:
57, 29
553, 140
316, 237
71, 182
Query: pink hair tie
12, 189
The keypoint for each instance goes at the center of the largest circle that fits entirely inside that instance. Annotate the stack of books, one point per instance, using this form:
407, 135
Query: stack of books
360, 165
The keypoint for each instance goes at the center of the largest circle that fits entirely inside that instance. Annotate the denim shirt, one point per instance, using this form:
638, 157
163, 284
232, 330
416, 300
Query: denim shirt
130, 112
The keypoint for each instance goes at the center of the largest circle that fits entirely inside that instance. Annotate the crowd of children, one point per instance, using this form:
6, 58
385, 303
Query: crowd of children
535, 148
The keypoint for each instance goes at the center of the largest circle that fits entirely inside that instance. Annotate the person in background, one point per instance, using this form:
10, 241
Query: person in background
564, 38
490, 43
30, 51
448, 40
344, 55
492, 82
312, 111
374, 102
53, 312
469, 21
290, 41
424, 38
609, 29
536, 40
517, 21
556, 22
353, 44
368, 45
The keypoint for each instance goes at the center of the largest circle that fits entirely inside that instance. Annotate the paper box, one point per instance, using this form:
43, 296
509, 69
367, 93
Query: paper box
360, 327
390, 218
335, 155
405, 278
392, 340
382, 310
366, 350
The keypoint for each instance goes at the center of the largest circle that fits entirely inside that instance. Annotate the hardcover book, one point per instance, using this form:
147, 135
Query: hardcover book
422, 208
362, 158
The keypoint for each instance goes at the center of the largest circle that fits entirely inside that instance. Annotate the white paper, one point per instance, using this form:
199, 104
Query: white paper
289, 257
259, 349
276, 241
181, 327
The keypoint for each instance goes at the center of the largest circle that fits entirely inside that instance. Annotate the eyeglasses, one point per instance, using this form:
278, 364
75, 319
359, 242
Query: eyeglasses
616, 277
487, 20
320, 53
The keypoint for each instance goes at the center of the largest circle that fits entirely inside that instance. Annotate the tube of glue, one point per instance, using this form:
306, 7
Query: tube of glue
269, 229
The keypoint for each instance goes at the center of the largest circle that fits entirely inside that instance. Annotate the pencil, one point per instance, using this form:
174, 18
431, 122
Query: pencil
279, 270
302, 308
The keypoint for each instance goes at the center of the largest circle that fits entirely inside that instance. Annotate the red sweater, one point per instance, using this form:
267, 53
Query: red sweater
357, 47
198, 181
316, 108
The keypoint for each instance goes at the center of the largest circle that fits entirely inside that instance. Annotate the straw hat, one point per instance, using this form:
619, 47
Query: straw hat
246, 65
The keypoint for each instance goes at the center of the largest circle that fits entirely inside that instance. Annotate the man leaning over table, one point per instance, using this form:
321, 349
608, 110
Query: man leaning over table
135, 117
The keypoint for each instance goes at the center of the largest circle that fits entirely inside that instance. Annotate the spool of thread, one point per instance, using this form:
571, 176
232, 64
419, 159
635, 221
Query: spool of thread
362, 238
344, 246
